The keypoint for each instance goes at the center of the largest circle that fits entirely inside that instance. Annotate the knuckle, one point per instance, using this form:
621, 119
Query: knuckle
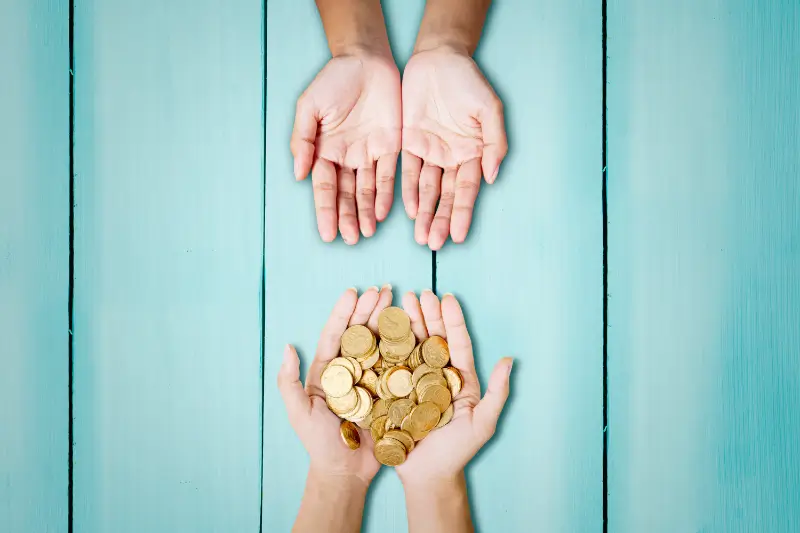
324, 186
366, 193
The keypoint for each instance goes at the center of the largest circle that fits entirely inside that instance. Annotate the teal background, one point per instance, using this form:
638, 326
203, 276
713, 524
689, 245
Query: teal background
183, 200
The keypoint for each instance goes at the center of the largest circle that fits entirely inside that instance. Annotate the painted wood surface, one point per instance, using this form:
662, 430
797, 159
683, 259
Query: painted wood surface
704, 266
305, 276
34, 265
168, 268
531, 271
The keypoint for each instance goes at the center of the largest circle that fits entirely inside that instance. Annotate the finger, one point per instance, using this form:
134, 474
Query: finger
297, 402
430, 179
460, 344
440, 228
468, 183
495, 142
330, 338
384, 185
411, 167
346, 196
303, 136
414, 311
384, 301
365, 200
432, 311
365, 306
323, 178
487, 412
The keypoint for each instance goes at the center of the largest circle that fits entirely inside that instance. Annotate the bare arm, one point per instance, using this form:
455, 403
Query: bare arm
438, 506
354, 26
331, 504
455, 24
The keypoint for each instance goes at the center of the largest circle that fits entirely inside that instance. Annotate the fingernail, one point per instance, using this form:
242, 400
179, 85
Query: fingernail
287, 356
297, 169
510, 365
388, 286
448, 294
353, 289
373, 288
494, 174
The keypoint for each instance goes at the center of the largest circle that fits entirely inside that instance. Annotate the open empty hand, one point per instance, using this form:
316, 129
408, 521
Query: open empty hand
453, 131
442, 455
314, 423
347, 133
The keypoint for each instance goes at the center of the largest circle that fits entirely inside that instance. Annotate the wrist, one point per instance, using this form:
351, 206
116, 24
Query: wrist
336, 482
433, 484
443, 45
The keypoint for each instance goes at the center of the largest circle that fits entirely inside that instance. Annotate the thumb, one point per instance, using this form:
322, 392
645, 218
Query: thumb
487, 412
495, 143
303, 137
294, 396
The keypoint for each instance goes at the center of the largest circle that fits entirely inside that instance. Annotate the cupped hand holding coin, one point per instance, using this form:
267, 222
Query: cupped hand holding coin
442, 455
310, 416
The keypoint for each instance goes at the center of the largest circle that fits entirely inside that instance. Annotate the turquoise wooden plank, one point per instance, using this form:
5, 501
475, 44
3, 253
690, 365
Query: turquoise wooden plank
704, 256
304, 276
169, 188
530, 274
34, 265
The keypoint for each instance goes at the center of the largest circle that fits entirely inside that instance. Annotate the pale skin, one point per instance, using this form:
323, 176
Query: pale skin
355, 117
433, 474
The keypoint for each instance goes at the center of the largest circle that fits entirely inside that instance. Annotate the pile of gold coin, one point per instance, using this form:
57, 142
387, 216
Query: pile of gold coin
397, 389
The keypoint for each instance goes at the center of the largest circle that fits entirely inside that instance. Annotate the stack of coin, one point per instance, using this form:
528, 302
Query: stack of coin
397, 389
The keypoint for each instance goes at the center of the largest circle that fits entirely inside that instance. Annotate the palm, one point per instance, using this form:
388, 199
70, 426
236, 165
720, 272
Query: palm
445, 451
453, 132
358, 107
347, 134
317, 427
325, 445
443, 94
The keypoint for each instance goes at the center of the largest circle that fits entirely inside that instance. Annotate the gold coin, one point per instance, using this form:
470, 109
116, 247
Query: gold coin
393, 323
429, 380
357, 341
421, 435
421, 371
454, 380
344, 404
336, 381
369, 380
399, 410
350, 435
404, 437
388, 424
438, 395
372, 360
398, 381
425, 416
357, 370
351, 413
345, 362
400, 350
413, 397
364, 404
415, 359
378, 427
435, 352
381, 408
383, 392
365, 423
447, 416
390, 452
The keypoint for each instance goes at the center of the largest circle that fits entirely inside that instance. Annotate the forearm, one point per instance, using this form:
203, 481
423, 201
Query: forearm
454, 24
436, 507
331, 504
354, 26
